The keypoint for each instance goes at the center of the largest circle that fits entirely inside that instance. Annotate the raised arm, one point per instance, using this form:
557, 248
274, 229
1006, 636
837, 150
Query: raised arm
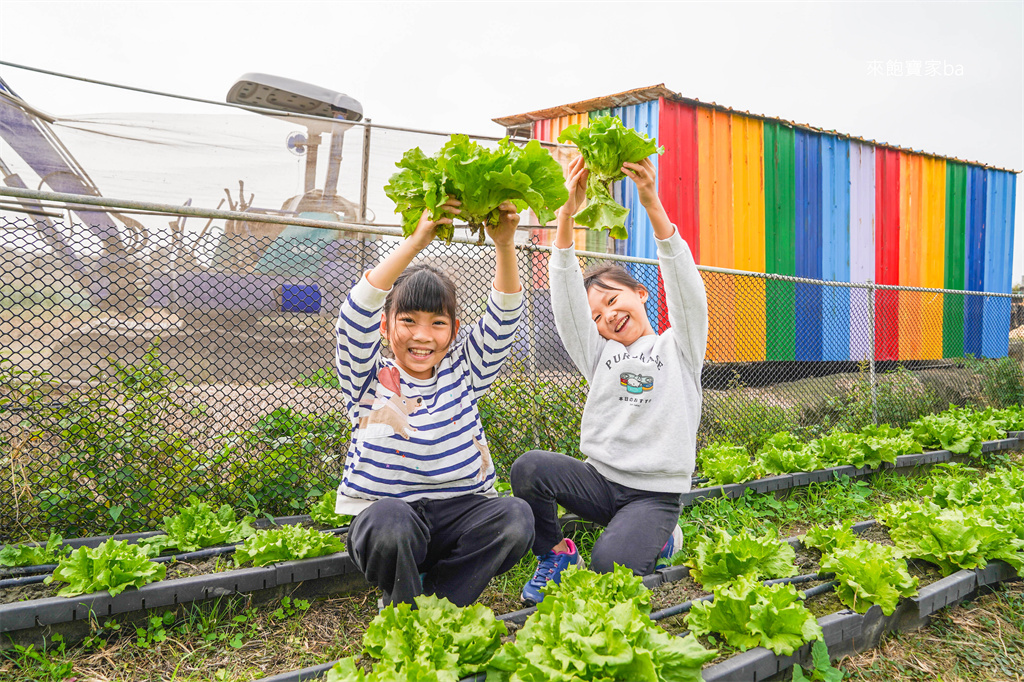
573, 318
686, 299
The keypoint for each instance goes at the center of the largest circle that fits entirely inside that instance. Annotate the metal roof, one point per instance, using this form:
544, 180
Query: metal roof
646, 94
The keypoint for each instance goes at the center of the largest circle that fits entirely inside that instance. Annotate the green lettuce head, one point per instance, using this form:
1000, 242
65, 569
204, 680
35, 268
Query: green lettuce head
605, 145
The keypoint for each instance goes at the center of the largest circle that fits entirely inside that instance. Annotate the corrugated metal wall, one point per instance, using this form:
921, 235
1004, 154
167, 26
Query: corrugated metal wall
762, 196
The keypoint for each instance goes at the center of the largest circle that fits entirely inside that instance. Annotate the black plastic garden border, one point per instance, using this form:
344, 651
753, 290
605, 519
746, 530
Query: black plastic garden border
331, 574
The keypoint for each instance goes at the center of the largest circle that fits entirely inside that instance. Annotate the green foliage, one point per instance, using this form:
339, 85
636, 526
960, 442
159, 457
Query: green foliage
285, 544
324, 378
480, 178
1002, 380
822, 670
521, 414
34, 555
738, 415
882, 443
112, 566
899, 399
40, 665
117, 462
322, 511
723, 557
605, 145
868, 574
748, 614
438, 641
298, 457
725, 463
197, 526
596, 628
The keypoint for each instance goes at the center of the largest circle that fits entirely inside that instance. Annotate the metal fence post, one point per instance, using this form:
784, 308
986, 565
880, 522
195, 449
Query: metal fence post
871, 351
365, 172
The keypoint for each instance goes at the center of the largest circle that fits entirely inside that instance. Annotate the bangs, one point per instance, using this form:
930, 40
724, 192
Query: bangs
423, 290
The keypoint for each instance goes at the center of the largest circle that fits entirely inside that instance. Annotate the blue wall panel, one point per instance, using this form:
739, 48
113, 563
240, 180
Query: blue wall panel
975, 260
835, 247
808, 245
999, 203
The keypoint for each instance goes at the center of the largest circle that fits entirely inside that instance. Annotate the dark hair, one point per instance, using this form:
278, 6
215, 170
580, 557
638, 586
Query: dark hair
422, 287
601, 275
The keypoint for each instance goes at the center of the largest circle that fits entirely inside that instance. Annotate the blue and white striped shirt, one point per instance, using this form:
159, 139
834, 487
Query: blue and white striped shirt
427, 440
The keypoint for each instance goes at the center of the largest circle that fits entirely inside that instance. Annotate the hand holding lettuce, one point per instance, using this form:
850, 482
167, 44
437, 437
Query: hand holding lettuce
606, 145
478, 177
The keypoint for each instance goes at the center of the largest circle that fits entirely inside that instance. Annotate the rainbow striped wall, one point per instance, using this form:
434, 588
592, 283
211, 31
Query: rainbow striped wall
763, 195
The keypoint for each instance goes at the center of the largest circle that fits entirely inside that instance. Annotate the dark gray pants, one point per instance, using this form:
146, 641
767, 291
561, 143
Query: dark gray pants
637, 522
460, 543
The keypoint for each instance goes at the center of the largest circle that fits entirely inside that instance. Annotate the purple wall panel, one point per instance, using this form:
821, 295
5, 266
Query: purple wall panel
862, 244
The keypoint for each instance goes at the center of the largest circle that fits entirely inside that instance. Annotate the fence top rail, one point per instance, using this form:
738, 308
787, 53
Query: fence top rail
73, 200
244, 107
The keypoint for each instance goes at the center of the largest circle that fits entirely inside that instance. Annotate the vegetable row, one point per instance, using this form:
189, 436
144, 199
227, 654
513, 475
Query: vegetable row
959, 430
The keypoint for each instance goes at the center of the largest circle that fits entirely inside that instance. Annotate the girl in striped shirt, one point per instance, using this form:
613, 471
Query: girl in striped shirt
418, 476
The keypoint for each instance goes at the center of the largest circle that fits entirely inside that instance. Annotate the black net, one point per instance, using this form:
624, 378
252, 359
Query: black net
166, 363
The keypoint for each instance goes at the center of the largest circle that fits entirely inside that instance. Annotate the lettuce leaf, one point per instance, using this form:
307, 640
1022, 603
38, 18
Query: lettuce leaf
605, 145
723, 557
286, 544
748, 614
113, 566
479, 177
868, 574
784, 453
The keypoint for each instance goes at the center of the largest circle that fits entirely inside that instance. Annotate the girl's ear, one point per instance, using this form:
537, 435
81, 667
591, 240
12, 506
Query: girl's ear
643, 293
383, 325
456, 331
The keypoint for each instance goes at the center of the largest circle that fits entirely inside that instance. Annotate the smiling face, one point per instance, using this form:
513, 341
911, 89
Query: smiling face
419, 340
618, 311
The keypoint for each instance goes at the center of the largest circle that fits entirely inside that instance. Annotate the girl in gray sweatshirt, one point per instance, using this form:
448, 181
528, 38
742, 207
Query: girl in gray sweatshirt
640, 421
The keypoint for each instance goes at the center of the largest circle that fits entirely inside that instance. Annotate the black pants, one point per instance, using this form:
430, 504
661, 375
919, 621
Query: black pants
460, 543
638, 522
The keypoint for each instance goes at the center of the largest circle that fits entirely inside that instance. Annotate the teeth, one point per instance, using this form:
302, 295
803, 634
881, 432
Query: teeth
619, 326
419, 353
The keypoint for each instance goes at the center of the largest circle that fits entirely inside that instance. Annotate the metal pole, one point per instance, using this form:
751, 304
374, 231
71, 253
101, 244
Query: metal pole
365, 179
871, 351
311, 153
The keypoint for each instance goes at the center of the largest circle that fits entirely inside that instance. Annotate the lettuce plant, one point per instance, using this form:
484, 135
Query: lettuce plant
784, 453
590, 628
605, 145
868, 574
437, 642
34, 555
723, 557
323, 512
113, 566
748, 614
954, 539
829, 538
286, 544
725, 463
479, 177
197, 526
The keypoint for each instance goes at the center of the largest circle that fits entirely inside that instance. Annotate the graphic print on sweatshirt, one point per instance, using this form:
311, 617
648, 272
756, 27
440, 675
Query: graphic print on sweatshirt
389, 415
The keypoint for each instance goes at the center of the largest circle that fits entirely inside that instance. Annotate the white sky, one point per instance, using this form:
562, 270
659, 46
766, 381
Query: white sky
454, 66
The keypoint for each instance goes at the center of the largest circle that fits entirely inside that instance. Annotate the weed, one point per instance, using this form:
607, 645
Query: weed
1002, 380
41, 665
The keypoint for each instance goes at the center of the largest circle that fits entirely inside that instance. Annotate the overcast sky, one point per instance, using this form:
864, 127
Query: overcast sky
942, 77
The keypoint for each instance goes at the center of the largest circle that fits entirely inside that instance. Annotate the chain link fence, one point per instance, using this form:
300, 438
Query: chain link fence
202, 363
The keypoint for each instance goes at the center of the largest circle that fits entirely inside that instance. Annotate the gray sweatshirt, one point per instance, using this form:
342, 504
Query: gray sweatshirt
640, 422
